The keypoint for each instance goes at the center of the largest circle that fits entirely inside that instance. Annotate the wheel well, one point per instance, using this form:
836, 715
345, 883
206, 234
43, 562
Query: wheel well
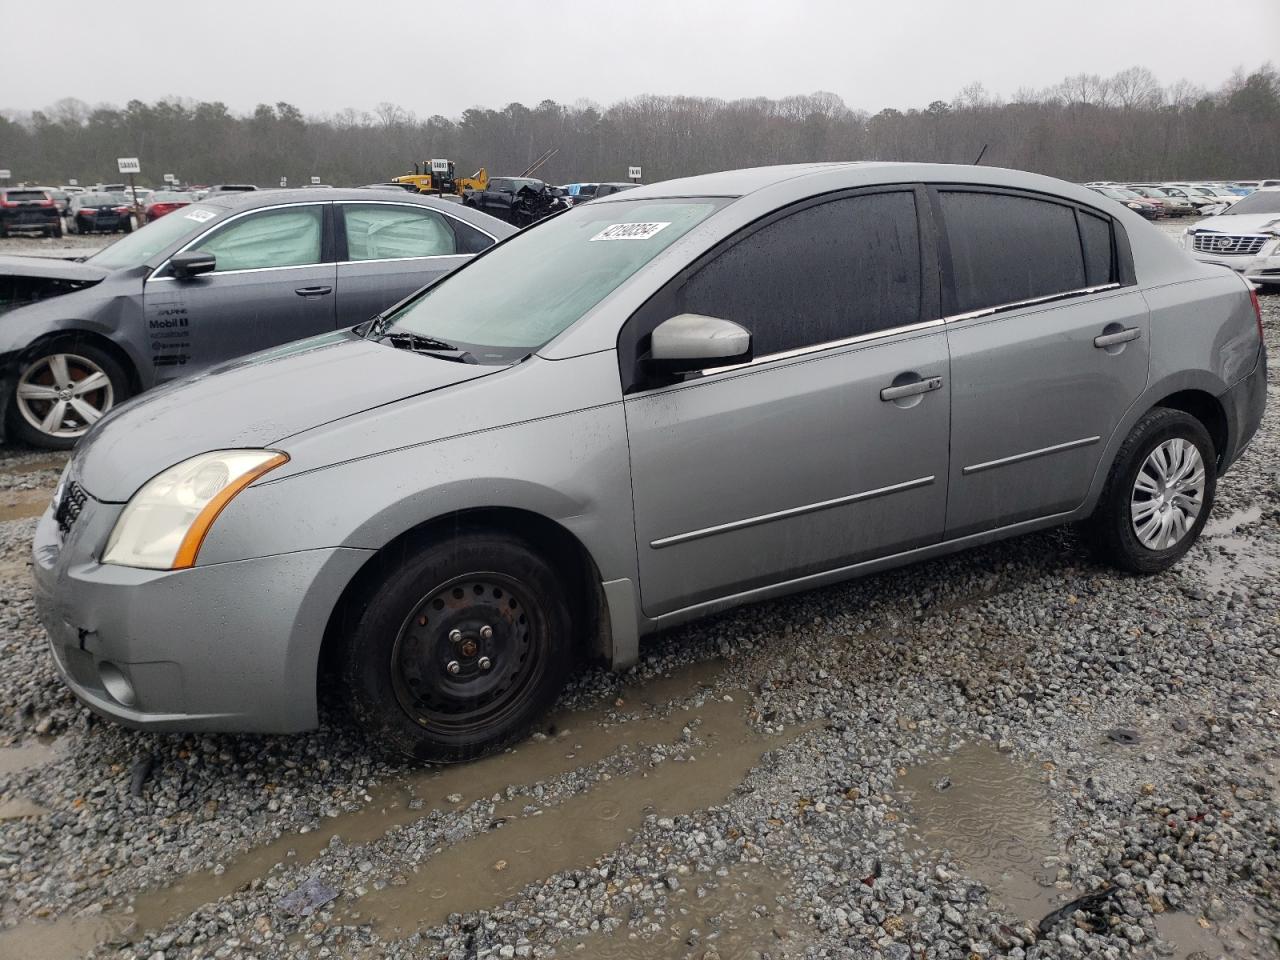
564, 551
1205, 408
104, 344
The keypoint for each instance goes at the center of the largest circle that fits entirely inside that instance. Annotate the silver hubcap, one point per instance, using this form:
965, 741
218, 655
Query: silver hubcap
1168, 494
64, 394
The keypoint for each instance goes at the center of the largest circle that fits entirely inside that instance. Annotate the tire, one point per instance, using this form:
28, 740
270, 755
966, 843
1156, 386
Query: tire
1135, 481
57, 230
414, 663
41, 371
127, 227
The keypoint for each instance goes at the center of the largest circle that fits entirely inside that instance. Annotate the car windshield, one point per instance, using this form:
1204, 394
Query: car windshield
168, 197
140, 246
1108, 192
26, 195
1128, 194
1153, 192
532, 287
1260, 201
98, 200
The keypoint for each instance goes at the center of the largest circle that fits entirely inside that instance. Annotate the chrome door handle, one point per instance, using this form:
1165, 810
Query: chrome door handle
1120, 336
911, 389
313, 291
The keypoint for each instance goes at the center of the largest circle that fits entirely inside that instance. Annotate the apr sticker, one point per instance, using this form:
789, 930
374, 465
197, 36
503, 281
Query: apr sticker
629, 231
200, 216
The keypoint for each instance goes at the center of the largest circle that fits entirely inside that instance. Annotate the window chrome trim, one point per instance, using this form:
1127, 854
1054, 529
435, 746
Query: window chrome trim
791, 512
1031, 302
244, 213
236, 273
429, 256
813, 348
1029, 455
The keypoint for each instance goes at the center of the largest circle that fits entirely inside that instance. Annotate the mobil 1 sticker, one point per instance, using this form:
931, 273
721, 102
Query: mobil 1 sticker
630, 231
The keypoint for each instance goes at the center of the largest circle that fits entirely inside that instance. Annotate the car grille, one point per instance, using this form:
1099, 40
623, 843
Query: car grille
67, 512
1224, 244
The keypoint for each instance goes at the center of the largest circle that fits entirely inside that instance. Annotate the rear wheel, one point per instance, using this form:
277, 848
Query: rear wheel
460, 649
1159, 493
57, 230
63, 391
127, 226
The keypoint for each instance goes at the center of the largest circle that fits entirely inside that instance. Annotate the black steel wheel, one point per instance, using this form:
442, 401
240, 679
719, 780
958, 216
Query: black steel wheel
459, 649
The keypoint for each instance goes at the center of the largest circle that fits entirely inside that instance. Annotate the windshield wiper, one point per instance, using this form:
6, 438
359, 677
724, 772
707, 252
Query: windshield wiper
429, 345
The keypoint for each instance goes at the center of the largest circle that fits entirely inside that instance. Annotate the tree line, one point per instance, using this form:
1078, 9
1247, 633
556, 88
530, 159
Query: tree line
1125, 127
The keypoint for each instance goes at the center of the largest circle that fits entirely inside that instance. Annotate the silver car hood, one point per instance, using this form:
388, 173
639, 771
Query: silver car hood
257, 401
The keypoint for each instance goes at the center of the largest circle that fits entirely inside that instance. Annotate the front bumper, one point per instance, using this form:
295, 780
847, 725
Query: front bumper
226, 646
1262, 268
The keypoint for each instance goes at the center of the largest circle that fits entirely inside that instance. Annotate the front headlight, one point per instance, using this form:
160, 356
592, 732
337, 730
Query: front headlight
165, 522
1134, 206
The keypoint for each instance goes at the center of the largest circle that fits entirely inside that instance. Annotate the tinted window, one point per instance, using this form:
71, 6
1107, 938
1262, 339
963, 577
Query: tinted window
25, 195
824, 273
274, 238
377, 232
1095, 236
1006, 248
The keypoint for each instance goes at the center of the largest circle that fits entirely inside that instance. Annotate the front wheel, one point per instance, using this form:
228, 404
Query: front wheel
460, 649
1158, 495
63, 391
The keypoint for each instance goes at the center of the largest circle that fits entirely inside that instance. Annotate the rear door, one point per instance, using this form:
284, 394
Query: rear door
830, 447
387, 250
1049, 342
274, 282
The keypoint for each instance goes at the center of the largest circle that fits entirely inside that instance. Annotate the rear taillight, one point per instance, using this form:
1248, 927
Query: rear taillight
122, 209
1257, 310
46, 203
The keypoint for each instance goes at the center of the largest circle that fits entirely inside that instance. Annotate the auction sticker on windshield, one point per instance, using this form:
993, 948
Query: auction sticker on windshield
200, 216
629, 231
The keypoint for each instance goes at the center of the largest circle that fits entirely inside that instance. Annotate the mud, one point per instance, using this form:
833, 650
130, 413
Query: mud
994, 816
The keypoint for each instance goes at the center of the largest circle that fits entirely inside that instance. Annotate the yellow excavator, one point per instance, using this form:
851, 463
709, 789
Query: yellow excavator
437, 176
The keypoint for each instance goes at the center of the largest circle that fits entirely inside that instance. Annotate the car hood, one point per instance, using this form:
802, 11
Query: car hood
1240, 223
48, 268
257, 401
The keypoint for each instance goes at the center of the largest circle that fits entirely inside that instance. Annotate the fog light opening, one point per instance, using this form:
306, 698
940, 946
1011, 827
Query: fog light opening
117, 684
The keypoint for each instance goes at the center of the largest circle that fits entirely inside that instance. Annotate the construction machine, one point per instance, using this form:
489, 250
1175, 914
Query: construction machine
438, 177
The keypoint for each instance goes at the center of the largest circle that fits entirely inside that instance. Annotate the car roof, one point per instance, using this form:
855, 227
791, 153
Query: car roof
250, 199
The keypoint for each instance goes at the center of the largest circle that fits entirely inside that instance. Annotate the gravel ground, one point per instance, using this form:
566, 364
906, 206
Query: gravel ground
746, 791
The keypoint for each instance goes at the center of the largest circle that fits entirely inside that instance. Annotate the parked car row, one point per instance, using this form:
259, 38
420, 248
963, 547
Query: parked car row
557, 449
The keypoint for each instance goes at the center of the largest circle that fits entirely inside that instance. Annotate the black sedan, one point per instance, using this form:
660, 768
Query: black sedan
99, 213
229, 275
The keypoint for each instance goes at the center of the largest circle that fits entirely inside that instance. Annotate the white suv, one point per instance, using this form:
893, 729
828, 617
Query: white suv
1246, 237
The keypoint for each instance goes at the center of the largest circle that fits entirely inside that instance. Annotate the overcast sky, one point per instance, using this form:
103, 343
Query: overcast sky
442, 58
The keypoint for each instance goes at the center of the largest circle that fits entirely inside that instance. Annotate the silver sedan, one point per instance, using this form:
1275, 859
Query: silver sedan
678, 399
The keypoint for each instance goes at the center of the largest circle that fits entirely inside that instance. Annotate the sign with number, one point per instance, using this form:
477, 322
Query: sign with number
439, 166
315, 179
73, 182
128, 164
284, 181
633, 173
4, 174
170, 178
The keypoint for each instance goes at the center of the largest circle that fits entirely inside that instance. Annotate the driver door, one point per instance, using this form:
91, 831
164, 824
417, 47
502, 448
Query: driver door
274, 282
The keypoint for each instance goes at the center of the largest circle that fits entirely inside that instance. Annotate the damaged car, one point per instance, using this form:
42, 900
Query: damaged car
517, 200
232, 274
656, 406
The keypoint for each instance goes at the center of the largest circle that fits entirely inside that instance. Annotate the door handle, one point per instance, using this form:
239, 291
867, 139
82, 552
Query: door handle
313, 291
911, 389
1120, 336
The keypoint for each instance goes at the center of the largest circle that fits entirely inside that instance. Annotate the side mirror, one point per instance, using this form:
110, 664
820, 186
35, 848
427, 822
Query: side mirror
690, 341
192, 263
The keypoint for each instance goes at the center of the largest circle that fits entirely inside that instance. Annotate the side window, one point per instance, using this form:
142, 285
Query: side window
1095, 237
384, 232
273, 238
827, 272
1008, 248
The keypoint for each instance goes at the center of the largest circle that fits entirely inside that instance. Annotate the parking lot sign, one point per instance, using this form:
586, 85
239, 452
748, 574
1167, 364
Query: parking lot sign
315, 179
170, 178
128, 164
4, 174
284, 181
633, 173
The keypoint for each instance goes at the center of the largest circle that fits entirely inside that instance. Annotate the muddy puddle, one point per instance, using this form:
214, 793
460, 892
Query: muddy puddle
1189, 935
739, 918
1233, 553
33, 753
490, 868
23, 504
994, 816
572, 739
